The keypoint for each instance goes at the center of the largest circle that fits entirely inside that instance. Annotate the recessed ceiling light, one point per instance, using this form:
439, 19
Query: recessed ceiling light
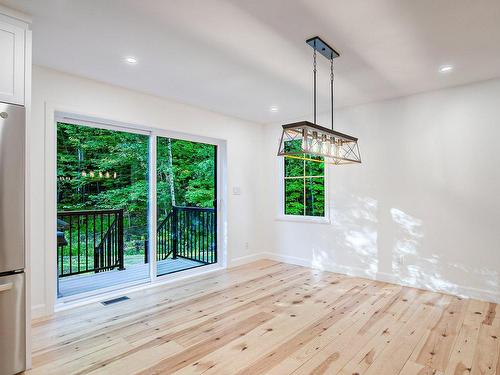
130, 60
273, 108
445, 68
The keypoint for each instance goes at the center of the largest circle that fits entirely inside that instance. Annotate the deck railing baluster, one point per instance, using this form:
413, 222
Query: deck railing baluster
186, 232
108, 244
121, 257
106, 226
70, 245
86, 241
191, 241
199, 231
206, 237
78, 243
214, 236
198, 235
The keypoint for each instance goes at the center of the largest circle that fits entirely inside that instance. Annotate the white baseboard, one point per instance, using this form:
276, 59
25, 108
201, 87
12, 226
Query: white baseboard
458, 290
38, 311
246, 259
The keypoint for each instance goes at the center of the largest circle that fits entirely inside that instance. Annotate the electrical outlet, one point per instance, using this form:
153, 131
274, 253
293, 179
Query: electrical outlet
247, 246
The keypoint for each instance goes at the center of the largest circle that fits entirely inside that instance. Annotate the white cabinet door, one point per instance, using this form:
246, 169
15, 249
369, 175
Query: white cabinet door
12, 45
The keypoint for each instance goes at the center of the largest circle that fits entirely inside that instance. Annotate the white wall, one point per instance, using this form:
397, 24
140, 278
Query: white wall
428, 189
109, 102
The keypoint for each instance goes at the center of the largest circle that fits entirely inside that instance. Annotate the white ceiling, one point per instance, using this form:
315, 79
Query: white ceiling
239, 57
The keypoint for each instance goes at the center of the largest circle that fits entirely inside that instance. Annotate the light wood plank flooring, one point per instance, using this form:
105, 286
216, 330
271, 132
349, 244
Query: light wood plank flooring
273, 318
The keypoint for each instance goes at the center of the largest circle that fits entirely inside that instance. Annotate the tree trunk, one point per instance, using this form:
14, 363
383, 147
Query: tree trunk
171, 172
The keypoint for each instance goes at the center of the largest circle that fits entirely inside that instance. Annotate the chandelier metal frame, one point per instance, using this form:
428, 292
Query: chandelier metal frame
300, 139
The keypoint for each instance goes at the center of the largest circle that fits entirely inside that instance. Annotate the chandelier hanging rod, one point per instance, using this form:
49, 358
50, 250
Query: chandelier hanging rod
318, 44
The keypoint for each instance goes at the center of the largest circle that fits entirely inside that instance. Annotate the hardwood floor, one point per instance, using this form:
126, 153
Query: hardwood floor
273, 318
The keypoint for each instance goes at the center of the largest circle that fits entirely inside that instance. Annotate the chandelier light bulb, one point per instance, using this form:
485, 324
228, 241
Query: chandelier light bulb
325, 145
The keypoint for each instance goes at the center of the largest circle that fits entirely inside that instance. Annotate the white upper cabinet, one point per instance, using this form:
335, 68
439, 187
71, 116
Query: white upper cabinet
12, 63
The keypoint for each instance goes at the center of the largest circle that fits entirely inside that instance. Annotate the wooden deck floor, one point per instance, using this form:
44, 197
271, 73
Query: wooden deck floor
69, 286
273, 318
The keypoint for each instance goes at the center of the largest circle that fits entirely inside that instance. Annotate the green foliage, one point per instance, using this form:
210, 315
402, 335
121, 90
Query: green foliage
82, 150
294, 197
194, 174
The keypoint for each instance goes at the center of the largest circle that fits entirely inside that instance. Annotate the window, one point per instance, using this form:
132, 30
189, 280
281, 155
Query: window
304, 185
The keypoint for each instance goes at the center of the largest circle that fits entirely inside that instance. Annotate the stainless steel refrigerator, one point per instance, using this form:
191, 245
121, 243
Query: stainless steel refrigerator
12, 277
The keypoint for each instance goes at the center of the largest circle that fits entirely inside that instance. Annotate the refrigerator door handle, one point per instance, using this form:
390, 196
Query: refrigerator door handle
5, 287
12, 324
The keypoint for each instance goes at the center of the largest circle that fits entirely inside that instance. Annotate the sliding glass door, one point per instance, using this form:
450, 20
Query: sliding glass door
131, 206
102, 208
186, 180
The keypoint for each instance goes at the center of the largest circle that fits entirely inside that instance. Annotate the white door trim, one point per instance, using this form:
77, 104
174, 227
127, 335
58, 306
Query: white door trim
58, 112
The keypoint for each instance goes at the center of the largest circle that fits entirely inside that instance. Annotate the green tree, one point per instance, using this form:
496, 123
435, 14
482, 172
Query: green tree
108, 169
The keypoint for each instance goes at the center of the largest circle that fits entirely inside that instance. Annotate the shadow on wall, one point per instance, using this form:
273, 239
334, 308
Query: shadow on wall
387, 243
355, 229
413, 268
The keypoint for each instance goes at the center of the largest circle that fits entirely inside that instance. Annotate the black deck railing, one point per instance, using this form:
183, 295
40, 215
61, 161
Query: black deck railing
89, 241
165, 239
92, 241
188, 232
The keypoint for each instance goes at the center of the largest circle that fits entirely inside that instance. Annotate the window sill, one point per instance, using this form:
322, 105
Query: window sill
303, 219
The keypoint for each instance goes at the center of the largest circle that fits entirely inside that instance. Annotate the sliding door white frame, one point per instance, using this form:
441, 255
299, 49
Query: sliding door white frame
220, 207
152, 212
54, 114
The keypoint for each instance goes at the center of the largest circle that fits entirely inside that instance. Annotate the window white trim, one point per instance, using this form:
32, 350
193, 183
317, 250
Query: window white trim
93, 122
281, 216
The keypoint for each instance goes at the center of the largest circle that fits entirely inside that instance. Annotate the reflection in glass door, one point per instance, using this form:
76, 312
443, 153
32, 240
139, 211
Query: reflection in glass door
186, 205
102, 208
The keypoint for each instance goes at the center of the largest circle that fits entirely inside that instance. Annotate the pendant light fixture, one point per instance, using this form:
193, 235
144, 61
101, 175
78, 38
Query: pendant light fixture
307, 140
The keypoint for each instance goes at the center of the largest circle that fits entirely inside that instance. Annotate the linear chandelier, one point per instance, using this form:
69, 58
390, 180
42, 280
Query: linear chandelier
305, 140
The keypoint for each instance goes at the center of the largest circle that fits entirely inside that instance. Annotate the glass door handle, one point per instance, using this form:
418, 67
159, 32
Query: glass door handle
5, 287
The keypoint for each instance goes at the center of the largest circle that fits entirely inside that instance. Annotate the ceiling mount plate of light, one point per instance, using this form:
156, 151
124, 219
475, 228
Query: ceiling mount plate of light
307, 140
